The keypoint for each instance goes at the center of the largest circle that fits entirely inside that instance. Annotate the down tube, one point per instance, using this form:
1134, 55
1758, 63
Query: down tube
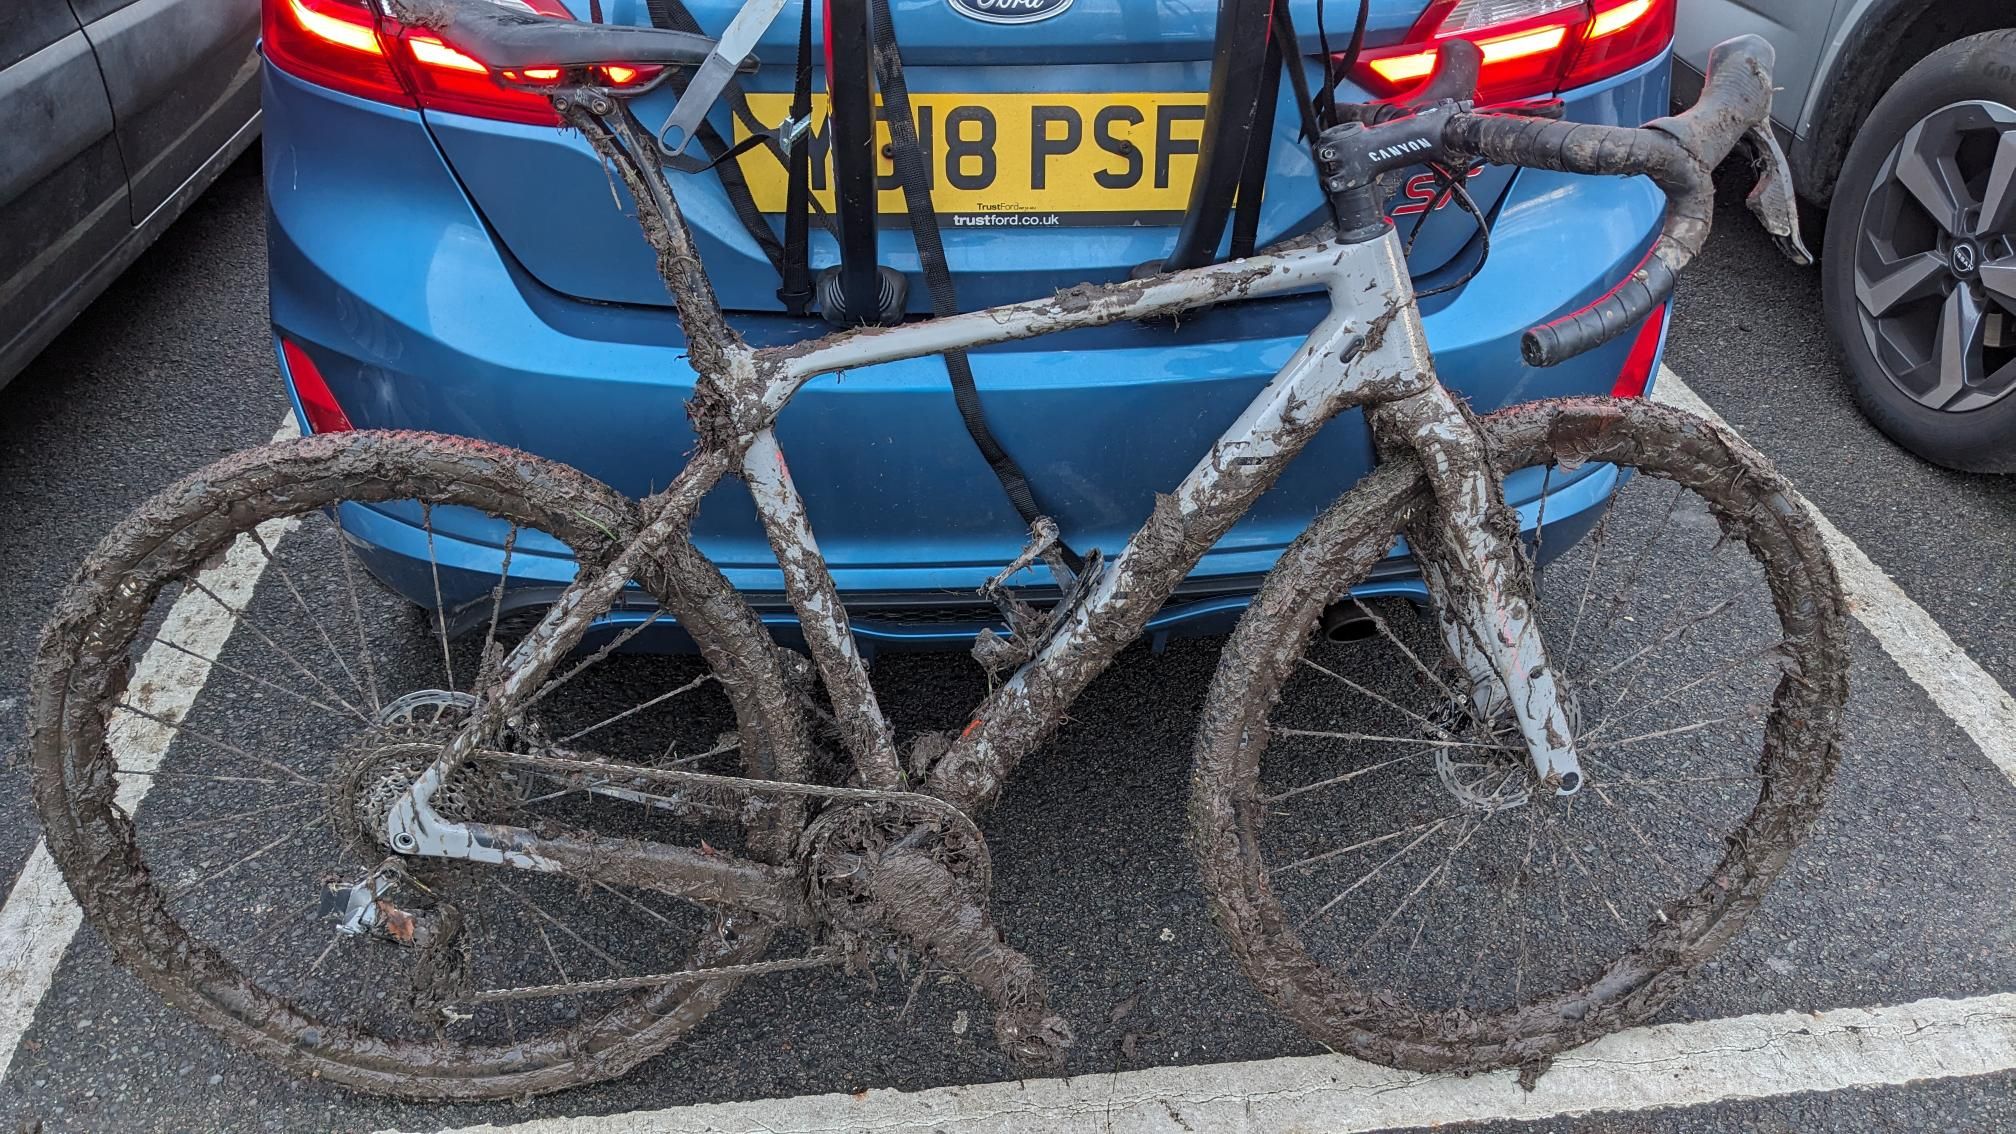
1315, 385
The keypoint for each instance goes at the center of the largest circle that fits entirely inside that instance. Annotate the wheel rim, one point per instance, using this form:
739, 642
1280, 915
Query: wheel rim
1372, 1022
1935, 259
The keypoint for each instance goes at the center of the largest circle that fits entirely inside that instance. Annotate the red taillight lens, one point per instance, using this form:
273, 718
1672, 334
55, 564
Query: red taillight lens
318, 405
446, 79
344, 45
1637, 372
333, 43
1622, 34
1531, 48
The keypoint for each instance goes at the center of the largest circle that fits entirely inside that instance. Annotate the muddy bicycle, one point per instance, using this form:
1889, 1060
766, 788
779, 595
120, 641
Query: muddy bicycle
488, 852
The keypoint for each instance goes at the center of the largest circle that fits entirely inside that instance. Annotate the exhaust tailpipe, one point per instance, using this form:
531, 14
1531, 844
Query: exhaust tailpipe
1347, 622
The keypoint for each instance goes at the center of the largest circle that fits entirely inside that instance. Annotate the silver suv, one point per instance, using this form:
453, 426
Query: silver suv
1899, 117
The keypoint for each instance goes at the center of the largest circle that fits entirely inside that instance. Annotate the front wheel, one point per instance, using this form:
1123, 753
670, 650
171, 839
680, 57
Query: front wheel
1380, 862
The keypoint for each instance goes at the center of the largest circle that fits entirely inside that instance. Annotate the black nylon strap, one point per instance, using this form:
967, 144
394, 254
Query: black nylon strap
796, 292
911, 173
1259, 146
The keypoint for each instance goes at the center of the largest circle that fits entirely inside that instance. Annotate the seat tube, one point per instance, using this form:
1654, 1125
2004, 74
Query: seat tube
823, 619
1477, 578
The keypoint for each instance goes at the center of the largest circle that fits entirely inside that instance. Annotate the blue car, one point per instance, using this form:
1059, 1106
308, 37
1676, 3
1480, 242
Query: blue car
443, 257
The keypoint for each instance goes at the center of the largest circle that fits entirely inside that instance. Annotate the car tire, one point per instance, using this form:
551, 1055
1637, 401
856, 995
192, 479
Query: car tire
1919, 276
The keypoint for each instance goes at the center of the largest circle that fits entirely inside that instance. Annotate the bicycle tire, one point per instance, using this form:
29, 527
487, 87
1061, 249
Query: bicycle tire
1755, 505
83, 663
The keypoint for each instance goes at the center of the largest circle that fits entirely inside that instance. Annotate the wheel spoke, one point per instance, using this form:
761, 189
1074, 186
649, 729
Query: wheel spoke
1347, 777
257, 852
1462, 837
1719, 671
1959, 350
1403, 852
321, 631
1629, 586
562, 926
486, 676
1417, 718
1362, 844
1931, 177
245, 619
1588, 876
252, 677
1598, 541
1414, 659
440, 607
235, 817
1900, 281
214, 742
1998, 196
638, 708
356, 609
1999, 278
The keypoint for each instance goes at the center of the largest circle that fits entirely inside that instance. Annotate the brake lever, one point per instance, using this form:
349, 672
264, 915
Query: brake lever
1772, 199
713, 77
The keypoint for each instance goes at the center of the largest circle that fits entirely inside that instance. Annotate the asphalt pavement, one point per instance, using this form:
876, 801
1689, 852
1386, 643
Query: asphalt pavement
1904, 892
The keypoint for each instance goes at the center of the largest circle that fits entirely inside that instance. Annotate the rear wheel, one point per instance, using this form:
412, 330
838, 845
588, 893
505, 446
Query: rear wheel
1383, 866
238, 891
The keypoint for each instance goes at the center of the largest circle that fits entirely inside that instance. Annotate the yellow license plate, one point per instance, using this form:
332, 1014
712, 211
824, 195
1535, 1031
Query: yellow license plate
1018, 160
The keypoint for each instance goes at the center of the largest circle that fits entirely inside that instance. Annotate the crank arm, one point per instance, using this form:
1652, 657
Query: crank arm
713, 77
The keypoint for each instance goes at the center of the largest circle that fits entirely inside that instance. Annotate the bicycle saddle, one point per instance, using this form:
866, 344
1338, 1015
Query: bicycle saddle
511, 39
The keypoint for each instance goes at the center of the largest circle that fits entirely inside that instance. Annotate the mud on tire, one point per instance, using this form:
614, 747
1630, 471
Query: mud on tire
1231, 815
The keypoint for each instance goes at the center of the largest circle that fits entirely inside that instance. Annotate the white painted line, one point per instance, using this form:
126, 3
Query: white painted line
1670, 1065
1961, 688
40, 917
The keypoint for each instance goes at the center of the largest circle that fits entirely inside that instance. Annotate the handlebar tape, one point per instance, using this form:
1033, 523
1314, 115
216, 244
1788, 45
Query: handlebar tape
1679, 154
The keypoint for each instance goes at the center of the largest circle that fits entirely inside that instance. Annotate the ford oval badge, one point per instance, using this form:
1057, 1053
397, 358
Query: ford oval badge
1009, 11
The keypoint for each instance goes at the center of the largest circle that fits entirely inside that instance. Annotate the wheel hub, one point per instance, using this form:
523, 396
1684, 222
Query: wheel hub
1965, 259
385, 761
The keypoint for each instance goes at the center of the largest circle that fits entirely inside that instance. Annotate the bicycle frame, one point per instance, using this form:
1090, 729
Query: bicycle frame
1369, 350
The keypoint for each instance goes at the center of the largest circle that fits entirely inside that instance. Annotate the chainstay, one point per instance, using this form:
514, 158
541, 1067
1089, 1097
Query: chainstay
982, 860
820, 959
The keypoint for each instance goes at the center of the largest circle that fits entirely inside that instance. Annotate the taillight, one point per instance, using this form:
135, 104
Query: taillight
1531, 48
348, 46
446, 79
1637, 372
318, 404
333, 43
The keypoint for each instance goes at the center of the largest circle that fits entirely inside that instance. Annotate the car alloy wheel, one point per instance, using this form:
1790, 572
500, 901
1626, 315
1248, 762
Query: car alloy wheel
1935, 259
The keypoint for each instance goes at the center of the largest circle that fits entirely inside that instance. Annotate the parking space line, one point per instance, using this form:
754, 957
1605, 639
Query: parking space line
40, 917
1668, 1065
1961, 689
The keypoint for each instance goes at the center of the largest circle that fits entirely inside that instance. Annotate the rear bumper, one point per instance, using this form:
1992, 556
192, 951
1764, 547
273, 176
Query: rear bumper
387, 275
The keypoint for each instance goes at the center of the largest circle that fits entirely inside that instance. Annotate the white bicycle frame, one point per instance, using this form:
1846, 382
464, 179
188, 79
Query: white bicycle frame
1369, 350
